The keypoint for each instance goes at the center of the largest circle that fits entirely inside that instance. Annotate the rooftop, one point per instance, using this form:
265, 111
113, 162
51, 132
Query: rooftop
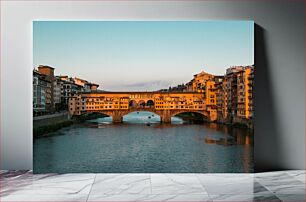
45, 66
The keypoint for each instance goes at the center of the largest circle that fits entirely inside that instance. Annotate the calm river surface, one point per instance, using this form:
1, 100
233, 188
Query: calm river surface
143, 145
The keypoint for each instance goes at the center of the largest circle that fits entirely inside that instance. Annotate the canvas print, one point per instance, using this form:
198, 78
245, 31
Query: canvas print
143, 96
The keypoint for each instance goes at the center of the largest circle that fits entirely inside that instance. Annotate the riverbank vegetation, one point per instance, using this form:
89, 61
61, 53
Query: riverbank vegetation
196, 118
43, 130
53, 126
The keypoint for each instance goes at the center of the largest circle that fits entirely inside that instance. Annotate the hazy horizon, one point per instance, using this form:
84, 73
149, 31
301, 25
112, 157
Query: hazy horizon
141, 55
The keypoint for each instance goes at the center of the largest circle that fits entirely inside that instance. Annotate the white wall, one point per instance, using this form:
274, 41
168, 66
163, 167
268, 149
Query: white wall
280, 74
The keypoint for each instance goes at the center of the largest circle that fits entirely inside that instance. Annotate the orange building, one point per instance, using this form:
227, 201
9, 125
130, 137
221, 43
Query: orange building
244, 91
198, 82
227, 97
49, 76
124, 100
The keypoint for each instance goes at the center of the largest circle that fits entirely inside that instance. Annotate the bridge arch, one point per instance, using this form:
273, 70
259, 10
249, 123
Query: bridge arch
150, 116
87, 115
141, 110
132, 103
141, 103
204, 114
165, 115
150, 103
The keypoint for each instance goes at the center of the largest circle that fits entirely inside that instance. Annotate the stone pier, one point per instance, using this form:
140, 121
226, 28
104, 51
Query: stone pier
117, 117
165, 117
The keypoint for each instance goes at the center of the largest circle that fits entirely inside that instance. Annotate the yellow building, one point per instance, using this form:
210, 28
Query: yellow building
220, 100
210, 98
229, 96
225, 96
48, 72
126, 102
204, 83
198, 82
241, 94
244, 93
250, 92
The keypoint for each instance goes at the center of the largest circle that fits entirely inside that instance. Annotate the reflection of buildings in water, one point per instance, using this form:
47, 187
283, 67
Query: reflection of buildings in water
213, 126
235, 136
225, 130
247, 158
164, 125
240, 134
228, 135
247, 140
240, 139
229, 140
221, 141
218, 127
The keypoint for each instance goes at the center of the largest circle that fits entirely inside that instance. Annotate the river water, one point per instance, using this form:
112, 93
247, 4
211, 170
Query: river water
142, 145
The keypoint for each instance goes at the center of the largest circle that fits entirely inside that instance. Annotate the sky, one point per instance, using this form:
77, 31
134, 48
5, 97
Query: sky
141, 55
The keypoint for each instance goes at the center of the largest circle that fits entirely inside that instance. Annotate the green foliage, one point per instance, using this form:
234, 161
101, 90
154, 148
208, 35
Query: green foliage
42, 130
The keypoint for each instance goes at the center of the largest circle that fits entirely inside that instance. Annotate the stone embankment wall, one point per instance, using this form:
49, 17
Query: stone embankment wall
43, 125
50, 119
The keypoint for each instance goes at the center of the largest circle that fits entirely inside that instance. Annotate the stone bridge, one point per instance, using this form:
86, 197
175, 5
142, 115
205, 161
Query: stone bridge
165, 115
119, 104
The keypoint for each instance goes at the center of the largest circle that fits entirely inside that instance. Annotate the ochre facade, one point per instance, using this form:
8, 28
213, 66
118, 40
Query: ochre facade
225, 99
228, 98
118, 104
245, 97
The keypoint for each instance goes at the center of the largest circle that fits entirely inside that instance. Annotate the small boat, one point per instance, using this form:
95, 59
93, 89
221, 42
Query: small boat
210, 141
101, 126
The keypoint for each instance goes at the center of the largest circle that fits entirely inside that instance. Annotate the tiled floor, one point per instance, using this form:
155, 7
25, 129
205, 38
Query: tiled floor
273, 186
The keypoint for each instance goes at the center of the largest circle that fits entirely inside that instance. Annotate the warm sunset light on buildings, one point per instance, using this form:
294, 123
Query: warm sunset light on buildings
225, 99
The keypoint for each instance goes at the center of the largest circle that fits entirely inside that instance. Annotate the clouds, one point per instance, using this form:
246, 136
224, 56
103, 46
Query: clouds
139, 86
